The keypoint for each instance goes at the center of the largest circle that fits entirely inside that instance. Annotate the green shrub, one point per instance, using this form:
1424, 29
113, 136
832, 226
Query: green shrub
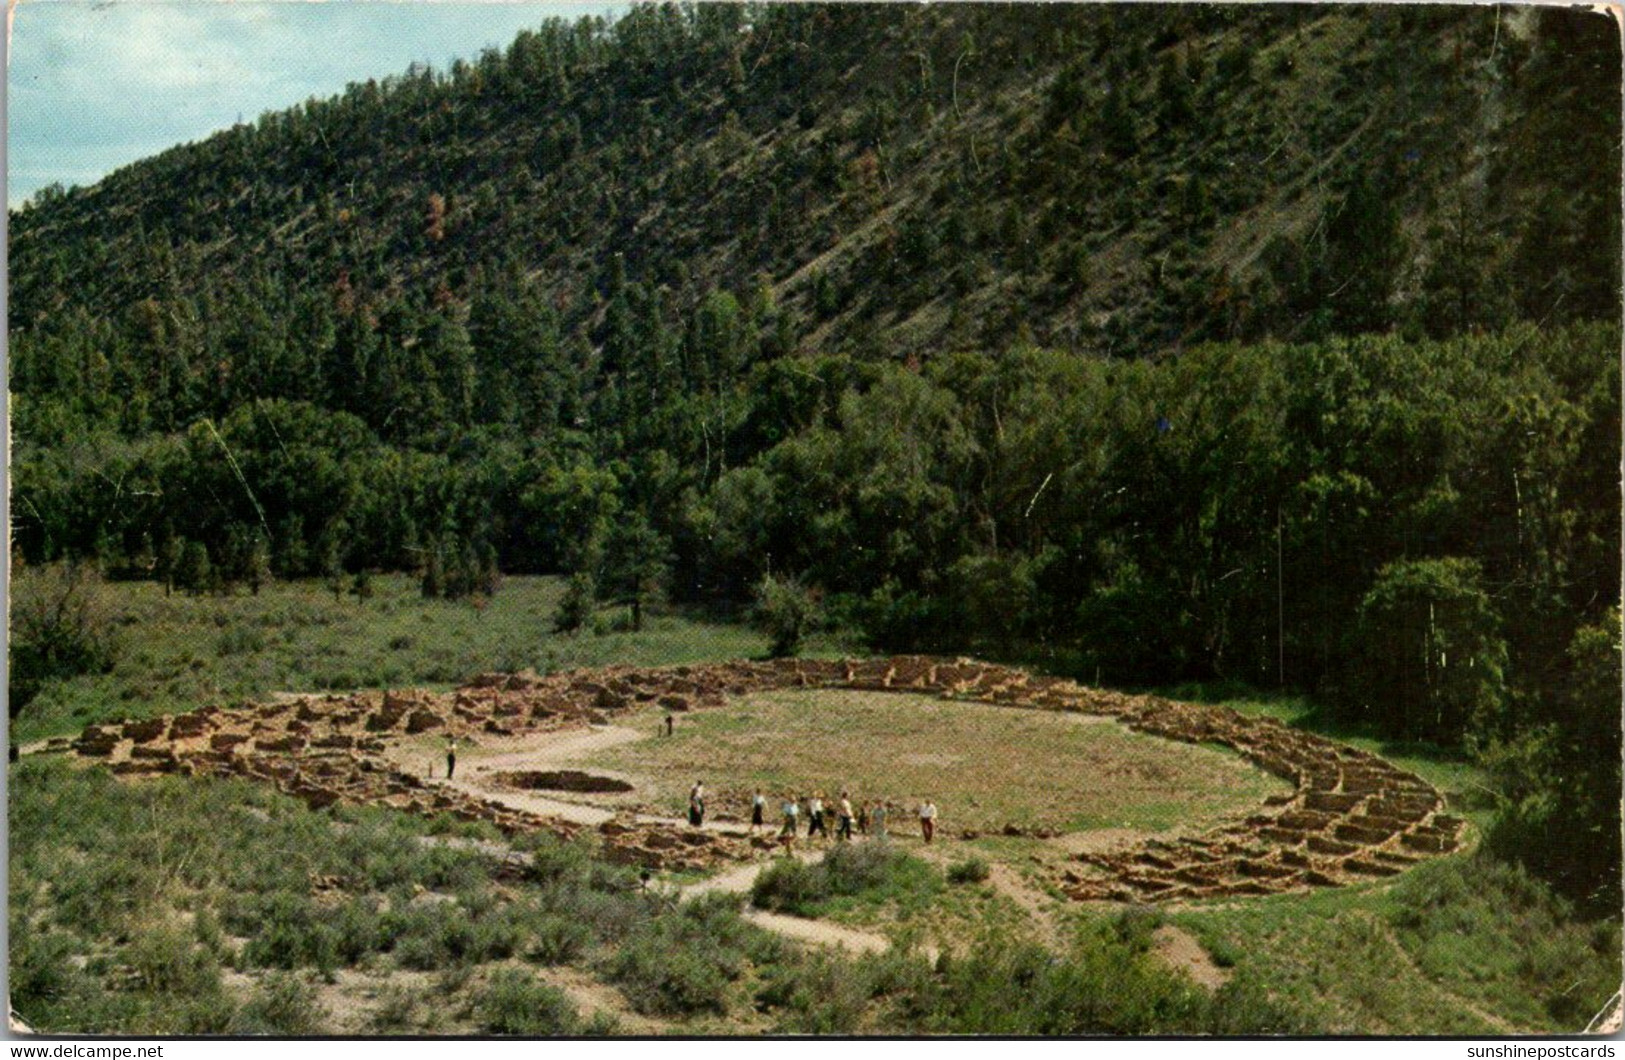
555, 939
602, 1024
789, 884
167, 960
357, 930
1505, 934
286, 931
282, 1007
821, 995
1245, 1008
514, 1003
786, 611
685, 965
239, 641
43, 974
971, 870
399, 1011
62, 625
577, 605
428, 936
1135, 927
660, 979
1102, 988
869, 872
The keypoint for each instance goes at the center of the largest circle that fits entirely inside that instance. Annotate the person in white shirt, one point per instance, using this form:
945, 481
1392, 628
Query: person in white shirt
758, 807
815, 817
928, 819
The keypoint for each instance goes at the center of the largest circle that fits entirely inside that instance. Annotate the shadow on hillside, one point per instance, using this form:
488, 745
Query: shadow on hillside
1304, 712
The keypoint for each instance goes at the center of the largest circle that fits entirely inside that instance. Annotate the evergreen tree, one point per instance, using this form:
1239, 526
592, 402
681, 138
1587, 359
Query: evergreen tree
196, 573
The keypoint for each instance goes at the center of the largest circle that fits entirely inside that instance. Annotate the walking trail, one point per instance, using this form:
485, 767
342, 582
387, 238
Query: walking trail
739, 880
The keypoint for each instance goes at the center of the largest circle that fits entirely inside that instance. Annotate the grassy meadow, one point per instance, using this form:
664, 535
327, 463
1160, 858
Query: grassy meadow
181, 651
988, 766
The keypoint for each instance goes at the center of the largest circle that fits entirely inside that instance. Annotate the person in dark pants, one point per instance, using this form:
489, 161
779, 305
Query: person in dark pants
696, 805
451, 756
671, 723
787, 835
815, 817
843, 824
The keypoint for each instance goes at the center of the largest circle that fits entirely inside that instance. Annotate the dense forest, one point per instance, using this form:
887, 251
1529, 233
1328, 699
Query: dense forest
1277, 344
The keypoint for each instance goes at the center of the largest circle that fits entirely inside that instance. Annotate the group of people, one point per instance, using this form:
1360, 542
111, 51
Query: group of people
870, 818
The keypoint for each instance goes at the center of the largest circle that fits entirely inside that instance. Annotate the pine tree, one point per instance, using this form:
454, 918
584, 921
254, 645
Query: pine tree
258, 571
196, 573
434, 585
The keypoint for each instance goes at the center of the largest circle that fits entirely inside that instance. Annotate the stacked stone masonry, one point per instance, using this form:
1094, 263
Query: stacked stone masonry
1351, 817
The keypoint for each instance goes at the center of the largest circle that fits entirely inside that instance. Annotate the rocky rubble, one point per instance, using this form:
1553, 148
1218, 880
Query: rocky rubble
1351, 817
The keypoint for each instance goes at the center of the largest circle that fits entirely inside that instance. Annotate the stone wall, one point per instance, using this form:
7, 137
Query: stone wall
1353, 816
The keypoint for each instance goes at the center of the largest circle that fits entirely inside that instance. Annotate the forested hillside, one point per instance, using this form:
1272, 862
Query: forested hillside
1155, 342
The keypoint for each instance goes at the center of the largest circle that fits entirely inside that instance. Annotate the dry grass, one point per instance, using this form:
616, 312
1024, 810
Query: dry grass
985, 766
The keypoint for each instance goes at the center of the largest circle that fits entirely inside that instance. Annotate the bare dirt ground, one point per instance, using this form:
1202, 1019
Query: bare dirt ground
1179, 949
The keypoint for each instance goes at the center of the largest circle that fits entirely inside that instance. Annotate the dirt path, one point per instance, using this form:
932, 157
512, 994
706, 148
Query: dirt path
803, 929
1035, 903
820, 932
591, 995
1179, 949
546, 750
1454, 1000
737, 880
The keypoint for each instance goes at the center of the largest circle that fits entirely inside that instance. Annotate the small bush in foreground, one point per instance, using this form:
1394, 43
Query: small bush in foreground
282, 1007
685, 965
514, 1003
863, 871
971, 870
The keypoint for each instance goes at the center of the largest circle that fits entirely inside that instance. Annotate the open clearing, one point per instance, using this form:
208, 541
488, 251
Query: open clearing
380, 898
986, 767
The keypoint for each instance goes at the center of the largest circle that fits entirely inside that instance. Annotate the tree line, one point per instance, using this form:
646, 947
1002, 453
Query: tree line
1423, 533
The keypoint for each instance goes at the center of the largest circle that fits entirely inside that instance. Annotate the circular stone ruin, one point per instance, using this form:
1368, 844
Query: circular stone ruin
562, 780
1350, 815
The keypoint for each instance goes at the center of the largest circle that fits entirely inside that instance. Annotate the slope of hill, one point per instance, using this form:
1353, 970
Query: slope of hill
892, 180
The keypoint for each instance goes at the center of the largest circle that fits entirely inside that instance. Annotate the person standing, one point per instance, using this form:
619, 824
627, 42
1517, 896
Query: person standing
671, 723
696, 805
863, 818
787, 835
928, 819
758, 807
451, 756
843, 824
878, 818
815, 817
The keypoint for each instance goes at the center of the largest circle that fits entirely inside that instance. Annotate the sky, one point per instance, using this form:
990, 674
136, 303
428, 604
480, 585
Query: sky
92, 85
